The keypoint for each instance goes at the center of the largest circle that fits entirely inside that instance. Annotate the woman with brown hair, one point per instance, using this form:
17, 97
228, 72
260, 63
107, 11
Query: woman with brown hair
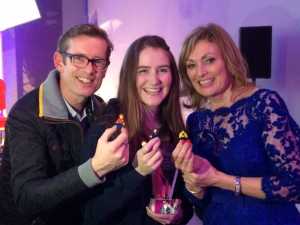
243, 161
148, 97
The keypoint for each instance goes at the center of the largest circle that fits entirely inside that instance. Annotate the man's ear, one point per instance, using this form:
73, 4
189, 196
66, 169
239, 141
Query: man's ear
58, 61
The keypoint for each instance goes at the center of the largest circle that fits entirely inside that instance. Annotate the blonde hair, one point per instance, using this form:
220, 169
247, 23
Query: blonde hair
235, 64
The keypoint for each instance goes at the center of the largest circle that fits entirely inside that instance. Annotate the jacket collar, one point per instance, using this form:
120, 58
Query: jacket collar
51, 103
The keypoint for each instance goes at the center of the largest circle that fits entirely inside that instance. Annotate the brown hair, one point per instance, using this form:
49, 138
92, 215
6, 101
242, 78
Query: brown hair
169, 114
90, 30
235, 64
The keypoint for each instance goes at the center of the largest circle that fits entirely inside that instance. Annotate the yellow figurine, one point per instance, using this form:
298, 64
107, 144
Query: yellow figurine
183, 135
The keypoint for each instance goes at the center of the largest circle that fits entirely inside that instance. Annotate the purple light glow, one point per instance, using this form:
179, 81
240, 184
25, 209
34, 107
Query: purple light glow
15, 12
1, 62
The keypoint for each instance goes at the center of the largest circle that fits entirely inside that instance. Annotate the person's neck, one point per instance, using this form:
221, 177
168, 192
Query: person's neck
224, 99
76, 103
150, 119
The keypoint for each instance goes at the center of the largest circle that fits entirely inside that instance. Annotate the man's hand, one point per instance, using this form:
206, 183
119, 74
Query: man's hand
148, 158
111, 155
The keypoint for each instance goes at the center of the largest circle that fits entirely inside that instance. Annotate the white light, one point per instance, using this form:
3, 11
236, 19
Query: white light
15, 12
111, 25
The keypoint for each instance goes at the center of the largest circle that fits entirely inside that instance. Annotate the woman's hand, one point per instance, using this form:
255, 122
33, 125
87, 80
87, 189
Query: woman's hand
148, 158
167, 218
183, 156
203, 174
198, 192
186, 161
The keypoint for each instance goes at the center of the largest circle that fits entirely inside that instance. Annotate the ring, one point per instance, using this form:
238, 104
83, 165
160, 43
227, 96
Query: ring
194, 192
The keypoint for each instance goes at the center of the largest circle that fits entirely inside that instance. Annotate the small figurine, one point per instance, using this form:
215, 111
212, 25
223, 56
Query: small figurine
120, 122
183, 135
152, 135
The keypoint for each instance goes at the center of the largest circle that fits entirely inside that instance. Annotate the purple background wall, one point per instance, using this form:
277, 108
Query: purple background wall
35, 43
173, 19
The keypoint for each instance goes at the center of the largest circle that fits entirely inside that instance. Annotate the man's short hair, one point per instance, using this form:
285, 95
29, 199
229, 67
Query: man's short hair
90, 30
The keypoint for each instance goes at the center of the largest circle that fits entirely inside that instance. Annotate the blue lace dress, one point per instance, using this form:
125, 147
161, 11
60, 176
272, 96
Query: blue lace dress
255, 137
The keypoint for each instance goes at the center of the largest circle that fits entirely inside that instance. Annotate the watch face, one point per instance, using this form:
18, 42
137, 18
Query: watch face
163, 206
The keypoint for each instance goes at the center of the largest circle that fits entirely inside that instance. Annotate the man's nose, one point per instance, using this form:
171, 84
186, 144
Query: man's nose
90, 67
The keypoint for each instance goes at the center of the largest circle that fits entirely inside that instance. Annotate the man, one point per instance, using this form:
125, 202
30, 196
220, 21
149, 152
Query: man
45, 132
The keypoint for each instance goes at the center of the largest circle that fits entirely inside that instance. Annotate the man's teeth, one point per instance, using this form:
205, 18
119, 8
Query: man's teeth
84, 80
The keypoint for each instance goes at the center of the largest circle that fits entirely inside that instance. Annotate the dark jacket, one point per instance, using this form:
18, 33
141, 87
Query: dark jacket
40, 166
123, 198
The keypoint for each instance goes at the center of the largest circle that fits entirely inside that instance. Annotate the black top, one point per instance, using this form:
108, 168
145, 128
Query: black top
123, 198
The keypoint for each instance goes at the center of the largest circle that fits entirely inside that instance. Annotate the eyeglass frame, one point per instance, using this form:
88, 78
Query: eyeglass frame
88, 60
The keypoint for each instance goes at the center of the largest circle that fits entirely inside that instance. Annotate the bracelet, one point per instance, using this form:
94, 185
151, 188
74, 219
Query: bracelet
237, 185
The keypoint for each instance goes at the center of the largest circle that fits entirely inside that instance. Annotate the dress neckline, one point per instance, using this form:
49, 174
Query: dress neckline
236, 104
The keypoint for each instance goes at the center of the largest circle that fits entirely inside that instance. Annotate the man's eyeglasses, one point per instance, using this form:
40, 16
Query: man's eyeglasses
81, 61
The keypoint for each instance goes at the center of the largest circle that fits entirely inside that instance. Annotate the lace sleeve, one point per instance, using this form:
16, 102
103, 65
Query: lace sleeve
281, 136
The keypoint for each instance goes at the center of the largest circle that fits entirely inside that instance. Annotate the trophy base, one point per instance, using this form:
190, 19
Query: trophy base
163, 206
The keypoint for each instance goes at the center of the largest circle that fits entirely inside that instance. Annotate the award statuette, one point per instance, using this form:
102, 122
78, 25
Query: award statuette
163, 205
168, 205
